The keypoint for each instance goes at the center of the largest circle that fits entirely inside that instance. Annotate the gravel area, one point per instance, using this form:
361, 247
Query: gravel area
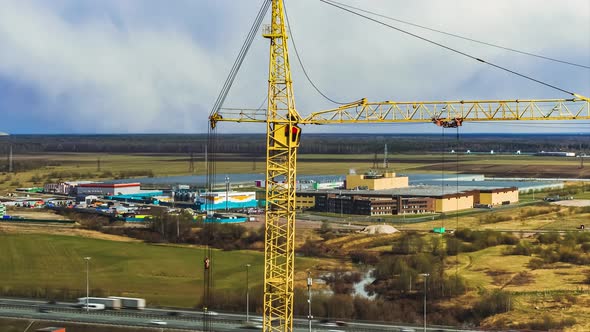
574, 202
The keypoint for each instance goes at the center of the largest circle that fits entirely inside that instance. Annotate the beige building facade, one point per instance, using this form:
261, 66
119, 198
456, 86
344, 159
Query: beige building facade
454, 202
376, 181
499, 196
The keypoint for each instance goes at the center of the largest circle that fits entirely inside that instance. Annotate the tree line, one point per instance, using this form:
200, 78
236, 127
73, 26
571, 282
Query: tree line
254, 144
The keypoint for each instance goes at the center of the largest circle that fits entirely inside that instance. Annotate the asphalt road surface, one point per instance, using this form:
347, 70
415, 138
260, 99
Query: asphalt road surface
179, 319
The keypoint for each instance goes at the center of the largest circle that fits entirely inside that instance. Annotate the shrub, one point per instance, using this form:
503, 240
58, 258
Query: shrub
493, 303
536, 263
521, 248
454, 246
363, 257
494, 218
548, 323
548, 238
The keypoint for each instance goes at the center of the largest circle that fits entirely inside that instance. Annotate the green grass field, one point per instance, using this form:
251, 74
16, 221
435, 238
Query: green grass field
164, 275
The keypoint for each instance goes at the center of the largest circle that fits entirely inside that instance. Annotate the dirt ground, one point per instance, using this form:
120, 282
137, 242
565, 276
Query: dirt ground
36, 214
67, 230
574, 202
515, 170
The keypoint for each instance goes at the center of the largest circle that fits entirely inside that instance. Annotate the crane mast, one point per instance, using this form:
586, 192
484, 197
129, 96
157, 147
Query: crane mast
282, 140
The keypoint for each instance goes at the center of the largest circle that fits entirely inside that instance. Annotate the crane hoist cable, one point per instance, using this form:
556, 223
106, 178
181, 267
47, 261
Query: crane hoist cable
451, 49
211, 159
457, 210
240, 58
301, 63
463, 37
442, 175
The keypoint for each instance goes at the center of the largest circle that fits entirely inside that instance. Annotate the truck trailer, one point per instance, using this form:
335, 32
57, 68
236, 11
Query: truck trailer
130, 302
109, 303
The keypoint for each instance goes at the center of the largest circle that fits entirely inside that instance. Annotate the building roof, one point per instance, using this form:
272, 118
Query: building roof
437, 191
109, 185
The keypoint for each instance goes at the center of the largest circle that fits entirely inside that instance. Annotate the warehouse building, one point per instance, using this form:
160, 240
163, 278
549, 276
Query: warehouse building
108, 189
304, 202
499, 196
374, 181
63, 188
454, 202
411, 200
220, 200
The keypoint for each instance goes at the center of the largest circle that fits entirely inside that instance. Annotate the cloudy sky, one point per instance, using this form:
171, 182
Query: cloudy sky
156, 66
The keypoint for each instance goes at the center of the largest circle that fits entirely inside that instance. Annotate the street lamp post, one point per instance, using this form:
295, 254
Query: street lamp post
87, 259
425, 275
309, 282
226, 193
341, 203
247, 293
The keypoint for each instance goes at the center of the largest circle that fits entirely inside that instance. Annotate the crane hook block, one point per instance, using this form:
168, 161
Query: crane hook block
454, 123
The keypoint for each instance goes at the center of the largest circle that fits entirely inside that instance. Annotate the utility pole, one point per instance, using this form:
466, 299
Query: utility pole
98, 164
375, 164
425, 275
341, 203
309, 316
226, 193
177, 228
10, 159
87, 259
385, 161
247, 293
191, 164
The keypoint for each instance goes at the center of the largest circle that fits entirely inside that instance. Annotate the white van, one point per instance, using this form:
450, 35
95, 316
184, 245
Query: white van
93, 306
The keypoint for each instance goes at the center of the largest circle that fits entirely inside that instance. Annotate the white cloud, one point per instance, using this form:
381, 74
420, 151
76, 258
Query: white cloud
134, 79
127, 68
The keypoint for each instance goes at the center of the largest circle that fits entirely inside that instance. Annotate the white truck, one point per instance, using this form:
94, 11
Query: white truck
130, 302
108, 303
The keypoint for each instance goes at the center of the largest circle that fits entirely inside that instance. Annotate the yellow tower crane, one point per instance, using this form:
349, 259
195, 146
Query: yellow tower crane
282, 140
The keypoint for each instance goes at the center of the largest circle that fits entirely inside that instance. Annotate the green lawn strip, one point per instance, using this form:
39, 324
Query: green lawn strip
164, 275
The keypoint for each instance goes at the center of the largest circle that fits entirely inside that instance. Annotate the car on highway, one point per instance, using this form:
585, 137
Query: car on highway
252, 325
43, 309
93, 306
210, 313
158, 322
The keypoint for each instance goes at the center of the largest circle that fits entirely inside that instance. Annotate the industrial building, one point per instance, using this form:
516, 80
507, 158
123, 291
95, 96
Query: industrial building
455, 202
63, 188
556, 154
410, 200
304, 202
221, 200
374, 181
108, 189
499, 196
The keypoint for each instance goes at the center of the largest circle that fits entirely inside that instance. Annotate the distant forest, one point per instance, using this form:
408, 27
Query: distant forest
254, 144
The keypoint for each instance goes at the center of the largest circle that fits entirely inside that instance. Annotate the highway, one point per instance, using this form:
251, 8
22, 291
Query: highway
178, 319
